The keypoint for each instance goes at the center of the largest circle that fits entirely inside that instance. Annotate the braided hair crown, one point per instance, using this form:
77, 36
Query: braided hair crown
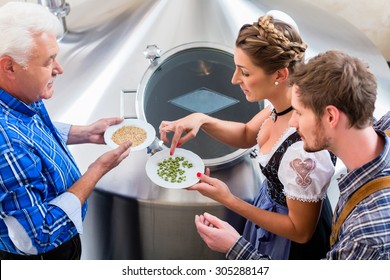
272, 43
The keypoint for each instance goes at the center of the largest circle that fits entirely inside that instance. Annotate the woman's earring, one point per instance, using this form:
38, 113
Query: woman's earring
276, 83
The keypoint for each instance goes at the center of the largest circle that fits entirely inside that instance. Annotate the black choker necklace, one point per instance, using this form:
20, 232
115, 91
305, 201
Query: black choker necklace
275, 115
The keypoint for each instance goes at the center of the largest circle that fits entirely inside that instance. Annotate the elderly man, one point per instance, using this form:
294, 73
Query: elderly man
42, 193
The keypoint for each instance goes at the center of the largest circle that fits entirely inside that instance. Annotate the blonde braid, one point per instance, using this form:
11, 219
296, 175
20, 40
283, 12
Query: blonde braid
272, 44
274, 36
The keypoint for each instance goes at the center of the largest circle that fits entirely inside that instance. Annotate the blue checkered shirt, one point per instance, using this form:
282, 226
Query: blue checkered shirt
36, 169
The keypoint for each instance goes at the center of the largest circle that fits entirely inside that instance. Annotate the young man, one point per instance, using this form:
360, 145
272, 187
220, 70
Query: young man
334, 99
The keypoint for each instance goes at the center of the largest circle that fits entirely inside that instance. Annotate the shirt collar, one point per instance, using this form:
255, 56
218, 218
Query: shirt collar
367, 172
15, 104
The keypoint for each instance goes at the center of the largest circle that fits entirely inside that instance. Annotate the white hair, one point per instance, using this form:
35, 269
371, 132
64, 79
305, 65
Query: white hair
19, 22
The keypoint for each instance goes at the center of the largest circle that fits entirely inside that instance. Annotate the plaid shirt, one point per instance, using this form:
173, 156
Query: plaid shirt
365, 234
36, 169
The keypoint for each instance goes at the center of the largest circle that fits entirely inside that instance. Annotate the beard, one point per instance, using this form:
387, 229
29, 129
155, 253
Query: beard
320, 140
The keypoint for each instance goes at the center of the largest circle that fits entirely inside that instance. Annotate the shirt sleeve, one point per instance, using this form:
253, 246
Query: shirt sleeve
63, 129
23, 196
68, 202
305, 176
350, 249
71, 205
383, 123
243, 250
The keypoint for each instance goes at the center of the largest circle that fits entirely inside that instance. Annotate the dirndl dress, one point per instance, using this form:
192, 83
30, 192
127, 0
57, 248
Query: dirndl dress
292, 172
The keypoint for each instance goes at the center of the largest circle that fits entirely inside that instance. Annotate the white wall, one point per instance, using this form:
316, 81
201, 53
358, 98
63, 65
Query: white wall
371, 17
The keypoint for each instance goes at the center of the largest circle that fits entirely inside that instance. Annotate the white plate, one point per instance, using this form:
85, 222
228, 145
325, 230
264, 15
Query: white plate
149, 129
190, 173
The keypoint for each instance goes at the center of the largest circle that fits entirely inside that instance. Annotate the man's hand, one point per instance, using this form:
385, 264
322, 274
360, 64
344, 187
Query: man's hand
93, 133
216, 233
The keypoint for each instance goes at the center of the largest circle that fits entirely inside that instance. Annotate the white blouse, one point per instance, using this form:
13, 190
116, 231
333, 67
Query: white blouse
305, 176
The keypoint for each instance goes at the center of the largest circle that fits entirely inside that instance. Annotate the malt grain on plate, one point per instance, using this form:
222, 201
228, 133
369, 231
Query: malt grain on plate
135, 134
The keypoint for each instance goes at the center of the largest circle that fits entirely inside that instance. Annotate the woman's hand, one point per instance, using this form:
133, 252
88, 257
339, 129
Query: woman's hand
184, 130
213, 188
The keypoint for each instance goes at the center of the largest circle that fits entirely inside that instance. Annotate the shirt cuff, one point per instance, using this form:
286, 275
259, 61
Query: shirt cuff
63, 129
70, 204
243, 250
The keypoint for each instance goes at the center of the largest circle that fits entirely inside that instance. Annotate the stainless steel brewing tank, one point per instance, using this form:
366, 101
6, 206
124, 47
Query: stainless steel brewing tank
191, 78
129, 217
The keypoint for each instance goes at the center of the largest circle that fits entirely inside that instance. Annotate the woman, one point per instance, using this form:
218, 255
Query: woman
282, 222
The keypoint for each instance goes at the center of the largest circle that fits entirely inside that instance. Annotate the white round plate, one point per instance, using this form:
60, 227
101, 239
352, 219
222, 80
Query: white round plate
190, 173
149, 129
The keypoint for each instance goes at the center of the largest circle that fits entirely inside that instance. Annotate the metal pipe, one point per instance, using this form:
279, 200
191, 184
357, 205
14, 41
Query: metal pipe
60, 9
